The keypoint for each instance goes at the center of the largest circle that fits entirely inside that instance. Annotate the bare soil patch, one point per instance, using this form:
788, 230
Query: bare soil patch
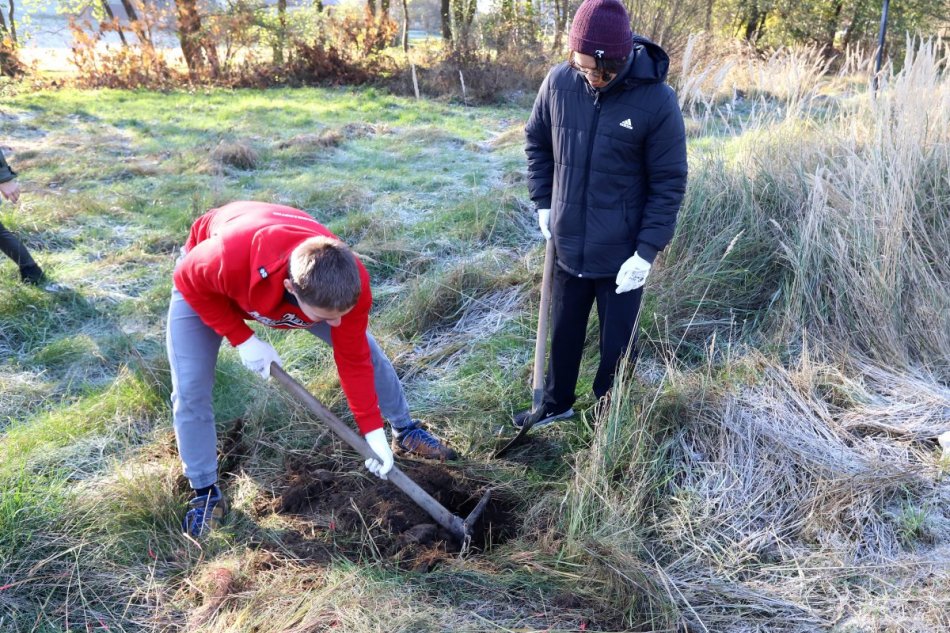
346, 506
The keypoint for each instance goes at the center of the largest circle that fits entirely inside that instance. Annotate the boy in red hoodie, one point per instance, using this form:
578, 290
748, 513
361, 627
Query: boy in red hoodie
280, 267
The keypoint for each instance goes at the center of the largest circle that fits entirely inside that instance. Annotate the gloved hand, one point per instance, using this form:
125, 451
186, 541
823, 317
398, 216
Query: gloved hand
258, 355
944, 440
633, 274
10, 190
377, 441
544, 222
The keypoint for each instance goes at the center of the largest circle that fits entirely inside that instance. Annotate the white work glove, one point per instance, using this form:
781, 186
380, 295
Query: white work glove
633, 274
544, 222
944, 440
258, 355
380, 445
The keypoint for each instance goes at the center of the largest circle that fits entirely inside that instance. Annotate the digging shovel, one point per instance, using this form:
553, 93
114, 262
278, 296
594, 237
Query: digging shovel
540, 347
459, 528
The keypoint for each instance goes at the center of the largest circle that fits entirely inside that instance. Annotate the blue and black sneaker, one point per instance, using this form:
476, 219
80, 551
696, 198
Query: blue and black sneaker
540, 416
415, 440
205, 513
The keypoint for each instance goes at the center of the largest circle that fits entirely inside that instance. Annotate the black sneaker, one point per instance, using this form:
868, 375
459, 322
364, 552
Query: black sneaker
205, 513
32, 275
540, 417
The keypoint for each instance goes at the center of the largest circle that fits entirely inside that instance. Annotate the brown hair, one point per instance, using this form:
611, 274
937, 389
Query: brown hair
324, 274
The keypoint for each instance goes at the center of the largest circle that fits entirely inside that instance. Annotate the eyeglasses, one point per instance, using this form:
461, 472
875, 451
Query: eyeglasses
592, 74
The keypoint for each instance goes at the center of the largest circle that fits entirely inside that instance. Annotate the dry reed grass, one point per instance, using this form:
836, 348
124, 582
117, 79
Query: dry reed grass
838, 224
767, 505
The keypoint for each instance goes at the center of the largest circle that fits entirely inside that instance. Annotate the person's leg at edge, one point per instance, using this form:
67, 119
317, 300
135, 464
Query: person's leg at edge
192, 354
12, 247
617, 314
571, 301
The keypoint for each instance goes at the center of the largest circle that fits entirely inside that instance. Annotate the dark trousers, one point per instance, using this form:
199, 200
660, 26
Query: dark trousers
571, 301
13, 248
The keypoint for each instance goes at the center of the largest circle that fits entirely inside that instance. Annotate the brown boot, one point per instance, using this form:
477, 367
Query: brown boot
415, 440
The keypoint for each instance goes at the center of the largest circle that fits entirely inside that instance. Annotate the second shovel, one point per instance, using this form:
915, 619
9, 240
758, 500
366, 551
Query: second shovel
540, 348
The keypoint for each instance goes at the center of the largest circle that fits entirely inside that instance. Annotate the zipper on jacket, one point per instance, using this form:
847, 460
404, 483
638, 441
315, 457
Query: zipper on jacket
590, 153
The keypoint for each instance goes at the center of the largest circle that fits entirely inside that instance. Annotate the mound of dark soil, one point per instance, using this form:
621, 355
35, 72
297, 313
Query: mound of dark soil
337, 511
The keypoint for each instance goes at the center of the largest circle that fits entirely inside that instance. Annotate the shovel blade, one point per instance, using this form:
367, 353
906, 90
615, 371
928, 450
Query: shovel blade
506, 445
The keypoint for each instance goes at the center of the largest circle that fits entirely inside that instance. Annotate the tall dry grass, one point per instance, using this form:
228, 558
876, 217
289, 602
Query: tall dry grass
766, 499
835, 204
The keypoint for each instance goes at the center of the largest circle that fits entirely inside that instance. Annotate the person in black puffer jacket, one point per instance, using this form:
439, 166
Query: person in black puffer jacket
606, 150
12, 247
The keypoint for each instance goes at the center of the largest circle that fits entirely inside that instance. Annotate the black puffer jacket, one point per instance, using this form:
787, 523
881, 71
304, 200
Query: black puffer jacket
610, 165
6, 173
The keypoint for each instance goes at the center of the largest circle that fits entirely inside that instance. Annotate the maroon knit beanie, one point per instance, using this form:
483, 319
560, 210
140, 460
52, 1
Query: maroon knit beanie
602, 25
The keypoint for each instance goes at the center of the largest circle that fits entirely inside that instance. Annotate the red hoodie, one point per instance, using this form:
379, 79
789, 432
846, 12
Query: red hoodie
235, 264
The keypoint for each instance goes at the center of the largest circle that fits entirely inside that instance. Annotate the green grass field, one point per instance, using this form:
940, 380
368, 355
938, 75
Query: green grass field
769, 465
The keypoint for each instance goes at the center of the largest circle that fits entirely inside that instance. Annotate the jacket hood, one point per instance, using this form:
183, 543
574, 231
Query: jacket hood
650, 64
270, 251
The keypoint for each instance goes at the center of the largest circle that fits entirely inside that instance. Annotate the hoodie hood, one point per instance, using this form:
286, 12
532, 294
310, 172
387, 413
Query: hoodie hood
650, 64
269, 256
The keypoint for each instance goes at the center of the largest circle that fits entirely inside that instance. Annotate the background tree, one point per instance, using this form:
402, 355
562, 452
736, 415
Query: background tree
113, 22
198, 51
563, 9
463, 14
405, 26
10, 26
446, 14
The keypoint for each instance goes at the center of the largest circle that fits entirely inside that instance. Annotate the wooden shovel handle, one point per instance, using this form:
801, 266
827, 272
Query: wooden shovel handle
422, 498
541, 342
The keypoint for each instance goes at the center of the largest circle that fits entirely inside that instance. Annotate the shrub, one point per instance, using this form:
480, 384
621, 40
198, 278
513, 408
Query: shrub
10, 64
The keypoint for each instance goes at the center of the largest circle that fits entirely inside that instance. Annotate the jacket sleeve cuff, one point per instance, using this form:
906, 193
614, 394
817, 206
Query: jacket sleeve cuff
369, 423
544, 203
647, 251
239, 334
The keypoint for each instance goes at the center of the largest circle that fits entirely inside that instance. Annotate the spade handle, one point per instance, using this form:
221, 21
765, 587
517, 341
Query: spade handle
422, 498
541, 342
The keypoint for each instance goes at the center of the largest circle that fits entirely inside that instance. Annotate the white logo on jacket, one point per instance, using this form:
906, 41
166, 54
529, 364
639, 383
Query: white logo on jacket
627, 123
288, 320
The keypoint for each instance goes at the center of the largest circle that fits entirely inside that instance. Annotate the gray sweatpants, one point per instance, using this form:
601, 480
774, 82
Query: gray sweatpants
193, 353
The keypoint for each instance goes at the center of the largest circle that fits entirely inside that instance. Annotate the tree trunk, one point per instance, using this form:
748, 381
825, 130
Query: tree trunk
463, 14
832, 27
115, 23
561, 10
405, 26
130, 11
12, 21
384, 8
371, 7
281, 31
135, 23
3, 25
754, 22
707, 23
446, 20
189, 34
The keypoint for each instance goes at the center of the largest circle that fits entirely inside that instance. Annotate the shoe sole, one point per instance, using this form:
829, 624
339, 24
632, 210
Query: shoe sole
546, 421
